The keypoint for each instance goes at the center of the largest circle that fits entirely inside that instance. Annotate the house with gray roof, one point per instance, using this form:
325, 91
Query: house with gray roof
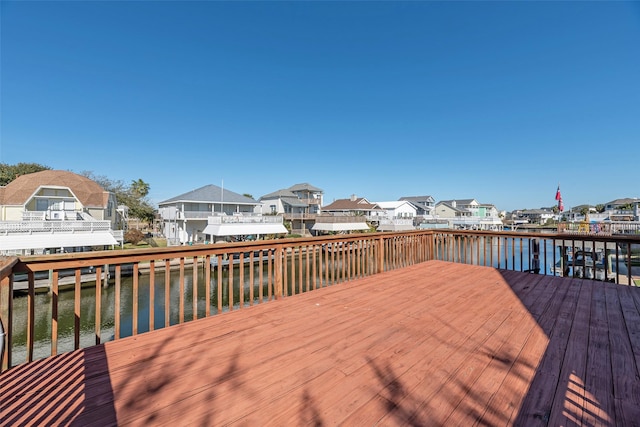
299, 204
211, 212
424, 204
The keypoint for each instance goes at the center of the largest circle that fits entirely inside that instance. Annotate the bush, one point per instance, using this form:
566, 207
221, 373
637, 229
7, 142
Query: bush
134, 236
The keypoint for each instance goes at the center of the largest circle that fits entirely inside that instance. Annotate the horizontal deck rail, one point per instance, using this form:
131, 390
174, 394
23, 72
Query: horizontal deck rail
161, 287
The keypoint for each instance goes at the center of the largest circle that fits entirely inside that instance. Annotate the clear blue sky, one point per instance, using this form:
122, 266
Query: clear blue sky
497, 101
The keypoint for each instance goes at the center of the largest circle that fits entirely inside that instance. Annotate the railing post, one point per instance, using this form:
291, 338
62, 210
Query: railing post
6, 309
381, 254
278, 279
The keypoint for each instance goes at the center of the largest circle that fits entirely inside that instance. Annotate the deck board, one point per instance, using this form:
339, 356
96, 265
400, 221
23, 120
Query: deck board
431, 344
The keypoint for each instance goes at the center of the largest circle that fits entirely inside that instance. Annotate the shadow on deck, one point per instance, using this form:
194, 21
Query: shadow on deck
432, 344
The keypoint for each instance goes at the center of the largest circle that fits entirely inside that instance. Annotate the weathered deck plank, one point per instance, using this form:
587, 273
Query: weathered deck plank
431, 344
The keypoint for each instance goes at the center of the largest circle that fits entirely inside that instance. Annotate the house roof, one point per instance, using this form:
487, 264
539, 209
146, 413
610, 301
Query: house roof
448, 204
87, 191
625, 201
417, 199
211, 194
305, 187
395, 204
459, 202
359, 204
279, 195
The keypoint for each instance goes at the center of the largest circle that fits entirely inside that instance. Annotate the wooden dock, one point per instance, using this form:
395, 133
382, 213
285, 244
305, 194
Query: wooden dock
432, 344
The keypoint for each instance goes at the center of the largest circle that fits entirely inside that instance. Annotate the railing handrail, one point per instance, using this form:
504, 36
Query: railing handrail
328, 260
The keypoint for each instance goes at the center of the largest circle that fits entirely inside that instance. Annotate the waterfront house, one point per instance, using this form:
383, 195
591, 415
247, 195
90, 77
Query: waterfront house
395, 215
299, 204
532, 216
468, 213
627, 209
57, 211
424, 205
345, 215
211, 213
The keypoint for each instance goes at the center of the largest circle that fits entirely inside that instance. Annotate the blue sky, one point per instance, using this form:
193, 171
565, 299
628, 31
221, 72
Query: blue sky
497, 101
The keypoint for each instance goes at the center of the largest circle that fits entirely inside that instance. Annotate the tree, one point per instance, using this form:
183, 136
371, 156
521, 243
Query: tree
600, 208
10, 172
140, 188
134, 196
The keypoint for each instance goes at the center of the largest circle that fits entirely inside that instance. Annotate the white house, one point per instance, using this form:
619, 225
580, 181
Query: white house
211, 212
468, 213
424, 204
395, 215
57, 211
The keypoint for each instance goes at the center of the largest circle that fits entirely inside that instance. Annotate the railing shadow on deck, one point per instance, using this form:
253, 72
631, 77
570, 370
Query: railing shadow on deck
73, 372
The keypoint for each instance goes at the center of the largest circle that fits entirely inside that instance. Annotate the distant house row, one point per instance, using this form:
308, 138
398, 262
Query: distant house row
210, 214
625, 209
60, 211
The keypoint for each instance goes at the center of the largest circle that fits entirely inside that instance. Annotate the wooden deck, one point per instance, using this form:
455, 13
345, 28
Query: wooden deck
432, 344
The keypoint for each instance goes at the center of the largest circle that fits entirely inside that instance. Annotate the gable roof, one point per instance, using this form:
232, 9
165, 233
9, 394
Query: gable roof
460, 202
395, 204
21, 189
359, 204
305, 187
448, 204
279, 195
418, 199
211, 194
625, 201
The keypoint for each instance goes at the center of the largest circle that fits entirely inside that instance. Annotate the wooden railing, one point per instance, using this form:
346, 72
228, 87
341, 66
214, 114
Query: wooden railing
161, 287
598, 257
134, 291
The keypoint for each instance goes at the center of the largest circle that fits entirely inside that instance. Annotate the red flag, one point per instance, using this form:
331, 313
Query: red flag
559, 199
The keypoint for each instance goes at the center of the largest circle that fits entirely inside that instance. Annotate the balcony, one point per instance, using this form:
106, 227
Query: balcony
418, 328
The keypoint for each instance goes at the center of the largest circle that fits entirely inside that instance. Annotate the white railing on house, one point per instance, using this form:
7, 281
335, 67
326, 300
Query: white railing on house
395, 221
30, 227
245, 218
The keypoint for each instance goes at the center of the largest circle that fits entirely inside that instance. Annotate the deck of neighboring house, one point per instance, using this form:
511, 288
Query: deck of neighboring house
432, 344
